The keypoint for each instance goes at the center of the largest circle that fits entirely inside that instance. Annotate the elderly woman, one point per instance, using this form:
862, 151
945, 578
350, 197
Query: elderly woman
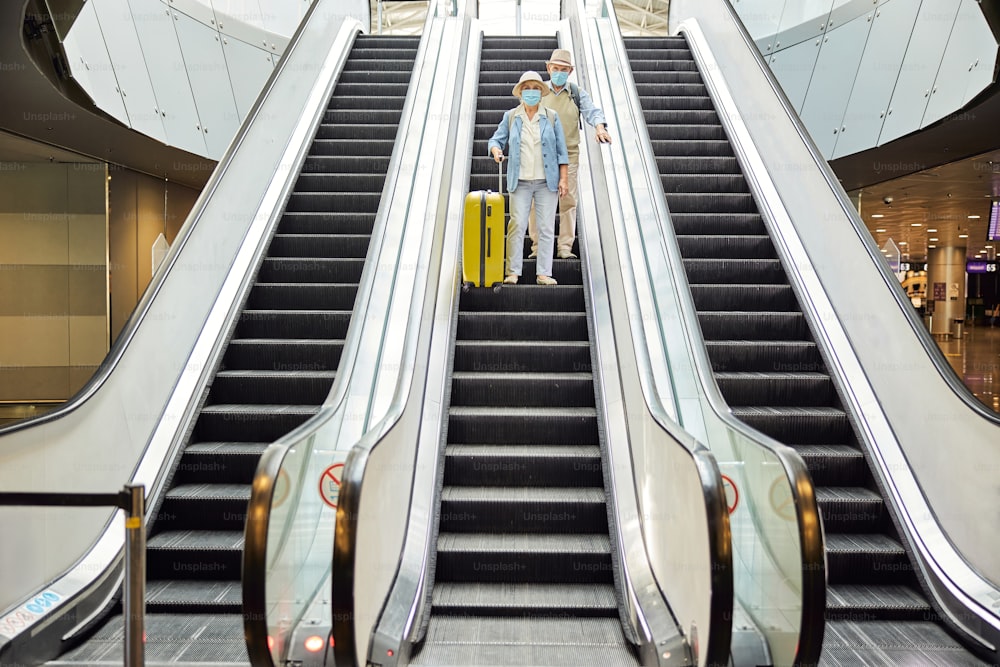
537, 172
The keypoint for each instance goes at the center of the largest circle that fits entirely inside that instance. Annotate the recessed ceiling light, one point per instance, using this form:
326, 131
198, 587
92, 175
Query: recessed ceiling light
902, 243
987, 246
879, 230
932, 246
877, 215
916, 224
933, 239
963, 236
931, 230
973, 217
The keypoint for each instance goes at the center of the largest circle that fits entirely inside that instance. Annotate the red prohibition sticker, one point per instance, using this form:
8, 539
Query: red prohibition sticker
732, 493
329, 484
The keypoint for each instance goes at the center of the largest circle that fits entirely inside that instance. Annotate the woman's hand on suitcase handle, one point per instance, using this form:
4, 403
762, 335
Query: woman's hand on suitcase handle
498, 156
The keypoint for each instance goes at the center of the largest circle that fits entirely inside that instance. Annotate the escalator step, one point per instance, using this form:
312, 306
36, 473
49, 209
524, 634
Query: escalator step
866, 558
552, 298
376, 78
326, 222
834, 465
877, 603
311, 269
665, 103
522, 389
576, 426
537, 600
704, 183
676, 148
711, 202
366, 131
697, 164
524, 509
293, 354
343, 183
513, 326
292, 324
195, 554
302, 296
851, 510
374, 147
319, 245
524, 558
271, 387
523, 465
347, 164
377, 64
302, 200
808, 426
870, 642
730, 271
718, 223
250, 423
778, 389
694, 133
737, 298
205, 506
753, 326
524, 641
778, 356
671, 75
726, 247
193, 597
219, 462
503, 356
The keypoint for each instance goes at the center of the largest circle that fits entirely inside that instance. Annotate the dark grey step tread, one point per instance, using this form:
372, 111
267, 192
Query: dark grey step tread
254, 408
789, 411
518, 451
171, 639
828, 451
322, 343
863, 542
768, 376
760, 343
524, 494
227, 448
533, 543
330, 375
520, 343
852, 638
528, 596
515, 412
210, 492
852, 596
270, 312
495, 641
228, 593
307, 285
521, 375
330, 235
197, 540
852, 494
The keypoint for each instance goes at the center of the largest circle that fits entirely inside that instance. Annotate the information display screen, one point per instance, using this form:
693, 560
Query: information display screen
993, 233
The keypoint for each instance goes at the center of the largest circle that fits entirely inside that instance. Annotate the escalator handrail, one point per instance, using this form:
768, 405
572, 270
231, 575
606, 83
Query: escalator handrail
938, 558
868, 242
812, 550
272, 461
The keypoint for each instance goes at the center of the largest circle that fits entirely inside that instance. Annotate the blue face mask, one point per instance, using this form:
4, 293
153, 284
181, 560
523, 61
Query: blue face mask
560, 78
531, 97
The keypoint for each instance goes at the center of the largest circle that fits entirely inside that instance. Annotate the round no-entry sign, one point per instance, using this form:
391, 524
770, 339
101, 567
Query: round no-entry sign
329, 484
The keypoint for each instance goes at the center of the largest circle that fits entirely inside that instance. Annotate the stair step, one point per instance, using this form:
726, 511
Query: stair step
877, 603
524, 558
851, 509
523, 465
524, 509
804, 425
518, 425
863, 558
503, 599
754, 388
522, 389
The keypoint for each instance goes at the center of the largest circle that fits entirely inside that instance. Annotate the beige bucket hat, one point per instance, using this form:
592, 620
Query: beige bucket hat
530, 76
560, 57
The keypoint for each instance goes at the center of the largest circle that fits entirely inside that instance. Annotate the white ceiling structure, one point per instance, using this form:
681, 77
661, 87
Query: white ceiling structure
637, 18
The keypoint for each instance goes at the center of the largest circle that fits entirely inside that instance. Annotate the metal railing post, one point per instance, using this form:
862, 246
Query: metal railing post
135, 576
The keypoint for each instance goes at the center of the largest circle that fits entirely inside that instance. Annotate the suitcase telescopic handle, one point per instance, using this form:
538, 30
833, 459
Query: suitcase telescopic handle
500, 172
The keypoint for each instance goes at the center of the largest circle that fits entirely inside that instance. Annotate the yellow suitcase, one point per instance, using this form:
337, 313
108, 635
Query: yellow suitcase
483, 239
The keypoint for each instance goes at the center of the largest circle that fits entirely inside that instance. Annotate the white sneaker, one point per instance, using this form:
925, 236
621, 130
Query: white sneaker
545, 280
510, 280
567, 254
534, 254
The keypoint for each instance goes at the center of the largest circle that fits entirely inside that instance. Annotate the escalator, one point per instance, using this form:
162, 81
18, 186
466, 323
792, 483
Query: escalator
277, 369
770, 370
524, 569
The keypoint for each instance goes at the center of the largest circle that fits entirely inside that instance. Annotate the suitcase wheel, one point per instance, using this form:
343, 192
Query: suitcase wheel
466, 286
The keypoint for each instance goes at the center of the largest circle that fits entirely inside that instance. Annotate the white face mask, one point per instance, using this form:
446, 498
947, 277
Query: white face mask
531, 97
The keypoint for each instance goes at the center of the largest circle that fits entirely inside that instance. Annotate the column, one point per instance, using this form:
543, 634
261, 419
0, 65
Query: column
946, 286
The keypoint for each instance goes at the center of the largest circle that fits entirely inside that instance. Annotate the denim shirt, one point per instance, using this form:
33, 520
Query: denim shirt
553, 146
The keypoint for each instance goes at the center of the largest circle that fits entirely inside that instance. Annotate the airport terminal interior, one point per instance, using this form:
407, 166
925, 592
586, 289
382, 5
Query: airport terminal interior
257, 384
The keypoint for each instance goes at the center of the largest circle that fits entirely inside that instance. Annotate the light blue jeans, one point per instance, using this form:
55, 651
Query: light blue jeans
546, 202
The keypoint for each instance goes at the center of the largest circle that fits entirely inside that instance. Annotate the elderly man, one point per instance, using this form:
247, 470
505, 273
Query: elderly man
570, 102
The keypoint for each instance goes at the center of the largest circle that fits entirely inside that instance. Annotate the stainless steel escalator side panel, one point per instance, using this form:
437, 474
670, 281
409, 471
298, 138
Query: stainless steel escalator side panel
904, 398
138, 407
